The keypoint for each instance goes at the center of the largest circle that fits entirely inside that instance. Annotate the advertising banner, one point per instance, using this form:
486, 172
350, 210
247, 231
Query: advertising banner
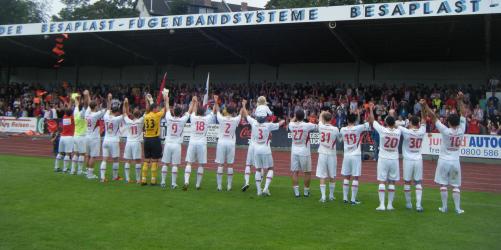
18, 125
417, 9
477, 146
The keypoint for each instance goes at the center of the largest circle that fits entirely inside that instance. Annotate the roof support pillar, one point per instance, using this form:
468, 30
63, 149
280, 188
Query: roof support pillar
357, 73
248, 72
77, 74
156, 71
487, 37
9, 68
121, 74
277, 72
373, 72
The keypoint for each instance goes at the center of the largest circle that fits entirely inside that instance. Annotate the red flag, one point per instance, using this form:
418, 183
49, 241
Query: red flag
162, 86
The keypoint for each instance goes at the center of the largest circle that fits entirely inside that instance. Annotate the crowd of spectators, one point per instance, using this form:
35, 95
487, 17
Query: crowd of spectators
483, 112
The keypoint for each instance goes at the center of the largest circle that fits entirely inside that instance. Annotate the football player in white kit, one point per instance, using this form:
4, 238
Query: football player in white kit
133, 152
300, 151
172, 148
111, 143
388, 171
93, 136
197, 147
327, 158
448, 171
352, 159
225, 152
413, 160
249, 162
263, 159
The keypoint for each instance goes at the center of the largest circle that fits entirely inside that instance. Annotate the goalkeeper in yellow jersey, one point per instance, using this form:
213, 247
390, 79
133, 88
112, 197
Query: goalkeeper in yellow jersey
152, 144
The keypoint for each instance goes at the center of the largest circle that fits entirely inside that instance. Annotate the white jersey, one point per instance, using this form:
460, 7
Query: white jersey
112, 127
134, 129
92, 126
413, 140
227, 127
328, 138
261, 133
389, 139
199, 127
175, 127
301, 137
352, 138
451, 140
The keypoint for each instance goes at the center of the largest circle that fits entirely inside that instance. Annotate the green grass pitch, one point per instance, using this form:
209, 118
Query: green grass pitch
40, 209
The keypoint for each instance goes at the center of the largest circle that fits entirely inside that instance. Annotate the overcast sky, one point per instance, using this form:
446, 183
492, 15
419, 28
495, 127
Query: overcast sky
57, 5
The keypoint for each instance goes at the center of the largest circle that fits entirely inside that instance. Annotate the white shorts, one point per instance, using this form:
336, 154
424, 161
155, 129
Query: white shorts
172, 153
263, 161
352, 165
225, 153
133, 150
448, 173
196, 152
250, 155
326, 166
93, 147
300, 163
413, 170
66, 144
111, 149
79, 144
388, 170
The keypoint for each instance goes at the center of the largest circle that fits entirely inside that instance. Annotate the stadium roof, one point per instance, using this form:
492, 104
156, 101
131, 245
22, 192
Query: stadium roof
447, 38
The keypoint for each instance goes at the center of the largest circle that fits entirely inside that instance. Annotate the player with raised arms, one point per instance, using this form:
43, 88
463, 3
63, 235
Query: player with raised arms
111, 143
388, 171
78, 137
172, 147
93, 137
327, 158
448, 171
413, 160
133, 152
66, 141
300, 151
197, 147
263, 159
152, 144
225, 152
352, 159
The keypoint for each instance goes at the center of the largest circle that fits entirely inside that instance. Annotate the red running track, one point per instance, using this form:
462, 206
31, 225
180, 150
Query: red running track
476, 176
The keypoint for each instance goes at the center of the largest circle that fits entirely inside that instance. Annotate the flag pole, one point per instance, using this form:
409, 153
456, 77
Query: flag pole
162, 86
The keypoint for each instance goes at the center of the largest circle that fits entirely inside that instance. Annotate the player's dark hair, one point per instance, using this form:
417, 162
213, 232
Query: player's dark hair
231, 110
115, 109
415, 121
92, 105
137, 113
178, 111
453, 120
390, 120
153, 106
261, 119
299, 115
68, 111
352, 118
200, 111
327, 116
